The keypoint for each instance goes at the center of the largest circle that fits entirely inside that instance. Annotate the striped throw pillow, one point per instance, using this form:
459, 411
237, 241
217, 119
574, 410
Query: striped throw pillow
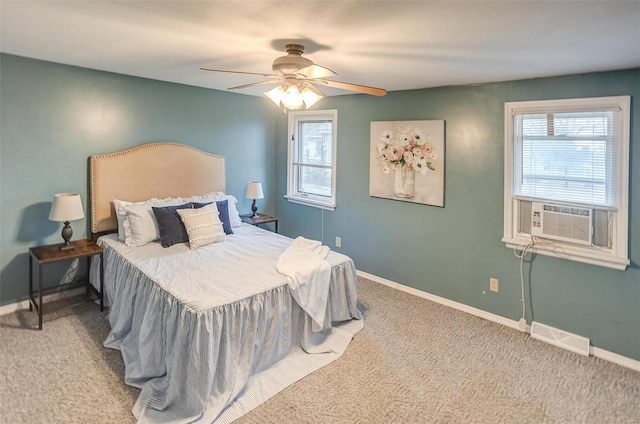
203, 225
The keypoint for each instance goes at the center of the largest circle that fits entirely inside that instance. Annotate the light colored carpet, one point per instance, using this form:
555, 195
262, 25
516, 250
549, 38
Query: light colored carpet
414, 362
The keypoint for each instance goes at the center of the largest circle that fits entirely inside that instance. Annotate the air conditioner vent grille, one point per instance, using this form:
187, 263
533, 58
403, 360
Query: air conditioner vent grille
565, 223
562, 222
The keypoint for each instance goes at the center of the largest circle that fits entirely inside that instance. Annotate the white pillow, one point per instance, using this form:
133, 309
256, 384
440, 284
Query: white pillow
234, 216
137, 224
203, 225
205, 198
121, 214
140, 225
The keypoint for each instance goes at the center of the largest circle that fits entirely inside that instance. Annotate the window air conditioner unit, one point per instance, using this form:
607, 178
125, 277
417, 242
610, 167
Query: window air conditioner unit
562, 222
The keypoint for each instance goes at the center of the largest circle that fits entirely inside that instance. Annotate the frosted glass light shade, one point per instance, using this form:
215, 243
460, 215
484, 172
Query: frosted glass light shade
292, 98
66, 207
254, 190
310, 98
275, 94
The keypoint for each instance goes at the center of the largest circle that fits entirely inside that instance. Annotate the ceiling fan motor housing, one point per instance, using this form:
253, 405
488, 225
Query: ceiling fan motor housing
292, 62
302, 73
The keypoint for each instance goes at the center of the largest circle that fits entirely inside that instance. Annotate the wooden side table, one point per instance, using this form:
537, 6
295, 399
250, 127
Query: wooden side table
49, 254
261, 219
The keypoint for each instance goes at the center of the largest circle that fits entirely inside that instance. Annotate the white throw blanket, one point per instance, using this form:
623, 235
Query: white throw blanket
309, 276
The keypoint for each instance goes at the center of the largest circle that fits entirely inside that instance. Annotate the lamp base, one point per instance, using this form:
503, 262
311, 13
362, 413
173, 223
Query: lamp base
67, 232
67, 246
254, 209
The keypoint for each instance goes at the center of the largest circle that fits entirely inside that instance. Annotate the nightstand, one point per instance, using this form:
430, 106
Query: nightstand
260, 219
49, 254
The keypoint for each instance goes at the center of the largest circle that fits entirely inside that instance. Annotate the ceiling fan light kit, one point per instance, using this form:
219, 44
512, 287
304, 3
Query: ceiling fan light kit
297, 73
292, 97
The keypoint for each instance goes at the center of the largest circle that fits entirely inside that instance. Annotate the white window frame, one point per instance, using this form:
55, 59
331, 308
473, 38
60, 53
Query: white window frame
617, 257
293, 194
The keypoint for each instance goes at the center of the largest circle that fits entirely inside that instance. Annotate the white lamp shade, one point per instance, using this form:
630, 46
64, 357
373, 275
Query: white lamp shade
254, 190
66, 207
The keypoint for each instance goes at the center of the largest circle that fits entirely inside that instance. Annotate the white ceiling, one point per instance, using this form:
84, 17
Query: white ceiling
396, 45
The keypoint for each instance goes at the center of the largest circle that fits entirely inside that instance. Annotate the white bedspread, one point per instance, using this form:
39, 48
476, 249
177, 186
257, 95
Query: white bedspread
308, 275
211, 333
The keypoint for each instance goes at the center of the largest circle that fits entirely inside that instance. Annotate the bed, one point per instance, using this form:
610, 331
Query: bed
210, 333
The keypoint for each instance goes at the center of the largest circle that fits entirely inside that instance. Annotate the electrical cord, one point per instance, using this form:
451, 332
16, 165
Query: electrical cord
528, 248
523, 252
75, 265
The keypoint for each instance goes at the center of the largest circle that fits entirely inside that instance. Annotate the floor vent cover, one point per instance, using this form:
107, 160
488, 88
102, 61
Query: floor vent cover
563, 339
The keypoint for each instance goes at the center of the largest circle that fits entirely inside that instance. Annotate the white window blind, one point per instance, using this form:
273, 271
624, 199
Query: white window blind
569, 152
568, 156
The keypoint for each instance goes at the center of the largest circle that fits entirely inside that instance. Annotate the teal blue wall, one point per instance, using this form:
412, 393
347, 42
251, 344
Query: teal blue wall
53, 117
453, 251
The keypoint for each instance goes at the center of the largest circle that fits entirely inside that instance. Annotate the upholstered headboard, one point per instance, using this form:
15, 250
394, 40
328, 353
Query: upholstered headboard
147, 171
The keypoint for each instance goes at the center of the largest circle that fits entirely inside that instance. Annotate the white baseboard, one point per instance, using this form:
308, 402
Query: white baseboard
24, 304
617, 359
595, 351
443, 301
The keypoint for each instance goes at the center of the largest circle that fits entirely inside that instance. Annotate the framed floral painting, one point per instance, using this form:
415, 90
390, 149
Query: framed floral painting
407, 161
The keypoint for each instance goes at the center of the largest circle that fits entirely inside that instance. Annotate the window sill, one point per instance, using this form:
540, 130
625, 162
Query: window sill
565, 251
311, 202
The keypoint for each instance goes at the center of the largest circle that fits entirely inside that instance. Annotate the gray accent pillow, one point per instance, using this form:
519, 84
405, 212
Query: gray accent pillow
172, 229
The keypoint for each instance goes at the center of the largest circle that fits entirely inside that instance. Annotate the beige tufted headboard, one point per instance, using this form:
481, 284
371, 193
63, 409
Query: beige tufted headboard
147, 171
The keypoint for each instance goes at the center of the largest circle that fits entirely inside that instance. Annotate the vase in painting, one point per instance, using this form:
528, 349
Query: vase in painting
404, 186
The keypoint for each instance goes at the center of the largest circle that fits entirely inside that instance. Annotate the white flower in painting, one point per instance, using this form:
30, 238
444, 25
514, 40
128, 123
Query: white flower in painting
380, 148
420, 137
434, 156
420, 166
394, 151
404, 138
408, 157
385, 168
386, 136
417, 151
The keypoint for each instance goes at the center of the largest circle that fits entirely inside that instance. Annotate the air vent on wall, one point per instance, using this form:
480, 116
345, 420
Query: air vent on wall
563, 339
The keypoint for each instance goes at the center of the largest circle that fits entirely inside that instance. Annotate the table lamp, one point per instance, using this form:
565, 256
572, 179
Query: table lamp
66, 207
254, 191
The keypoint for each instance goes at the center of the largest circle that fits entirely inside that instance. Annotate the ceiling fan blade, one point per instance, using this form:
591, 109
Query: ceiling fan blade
315, 89
238, 72
253, 84
352, 87
315, 71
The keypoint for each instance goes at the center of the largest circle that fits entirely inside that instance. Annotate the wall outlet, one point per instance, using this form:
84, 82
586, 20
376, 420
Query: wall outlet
338, 242
493, 284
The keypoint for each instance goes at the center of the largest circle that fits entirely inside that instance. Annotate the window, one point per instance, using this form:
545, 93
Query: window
311, 174
567, 169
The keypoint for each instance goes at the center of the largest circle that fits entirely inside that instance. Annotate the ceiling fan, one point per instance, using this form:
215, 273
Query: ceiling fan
299, 79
